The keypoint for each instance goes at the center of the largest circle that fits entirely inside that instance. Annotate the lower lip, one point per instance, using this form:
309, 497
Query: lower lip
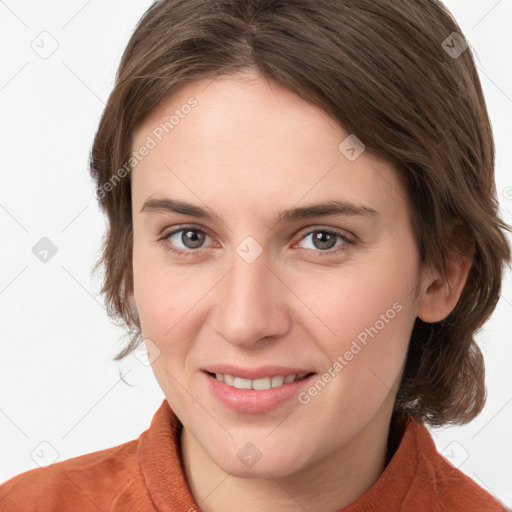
251, 401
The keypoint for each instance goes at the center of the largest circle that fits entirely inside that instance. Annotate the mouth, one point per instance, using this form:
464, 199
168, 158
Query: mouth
256, 390
261, 384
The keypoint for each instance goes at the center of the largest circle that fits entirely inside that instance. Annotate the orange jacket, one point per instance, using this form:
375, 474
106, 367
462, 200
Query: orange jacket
145, 475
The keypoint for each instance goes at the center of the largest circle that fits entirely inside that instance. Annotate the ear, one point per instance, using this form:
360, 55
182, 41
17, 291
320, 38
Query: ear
439, 296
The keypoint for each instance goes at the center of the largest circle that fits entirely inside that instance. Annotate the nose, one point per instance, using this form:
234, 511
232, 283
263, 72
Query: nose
253, 304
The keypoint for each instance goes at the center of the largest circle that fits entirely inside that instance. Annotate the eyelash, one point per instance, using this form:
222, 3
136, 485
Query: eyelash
317, 253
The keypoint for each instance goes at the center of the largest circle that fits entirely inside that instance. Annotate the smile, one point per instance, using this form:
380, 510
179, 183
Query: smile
258, 384
256, 390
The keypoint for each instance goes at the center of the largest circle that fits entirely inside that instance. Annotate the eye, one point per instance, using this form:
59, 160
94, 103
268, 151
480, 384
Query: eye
324, 241
185, 240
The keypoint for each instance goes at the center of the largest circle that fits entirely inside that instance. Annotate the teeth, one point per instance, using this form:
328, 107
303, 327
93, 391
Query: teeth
258, 384
278, 381
242, 383
261, 384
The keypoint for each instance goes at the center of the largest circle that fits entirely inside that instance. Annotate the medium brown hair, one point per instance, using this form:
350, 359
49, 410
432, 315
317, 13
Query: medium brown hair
384, 71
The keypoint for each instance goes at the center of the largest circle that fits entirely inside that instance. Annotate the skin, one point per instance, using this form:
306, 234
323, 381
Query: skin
249, 149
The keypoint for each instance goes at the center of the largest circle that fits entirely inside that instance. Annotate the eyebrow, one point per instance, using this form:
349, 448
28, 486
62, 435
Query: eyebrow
334, 207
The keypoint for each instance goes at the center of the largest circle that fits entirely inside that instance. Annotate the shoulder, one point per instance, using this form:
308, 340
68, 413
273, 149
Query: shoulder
454, 489
87, 482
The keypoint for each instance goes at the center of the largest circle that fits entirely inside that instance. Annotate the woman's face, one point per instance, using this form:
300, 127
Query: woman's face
267, 286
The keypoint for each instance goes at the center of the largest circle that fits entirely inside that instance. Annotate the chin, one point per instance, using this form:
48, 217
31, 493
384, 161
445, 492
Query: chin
249, 462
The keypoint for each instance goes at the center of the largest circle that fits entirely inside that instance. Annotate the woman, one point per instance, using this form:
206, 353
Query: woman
303, 231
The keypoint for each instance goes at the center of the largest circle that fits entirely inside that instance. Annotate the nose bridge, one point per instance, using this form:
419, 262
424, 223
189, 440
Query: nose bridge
251, 306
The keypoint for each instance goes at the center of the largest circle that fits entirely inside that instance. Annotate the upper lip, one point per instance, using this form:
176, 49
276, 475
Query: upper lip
256, 373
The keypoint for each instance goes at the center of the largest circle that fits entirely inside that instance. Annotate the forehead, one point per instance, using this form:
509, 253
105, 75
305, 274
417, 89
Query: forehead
245, 140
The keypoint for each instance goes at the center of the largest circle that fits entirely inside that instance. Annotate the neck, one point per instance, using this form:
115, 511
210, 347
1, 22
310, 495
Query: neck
330, 484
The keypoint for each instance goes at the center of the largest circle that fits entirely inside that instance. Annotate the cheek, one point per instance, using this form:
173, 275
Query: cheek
167, 297
165, 304
156, 292
374, 302
367, 316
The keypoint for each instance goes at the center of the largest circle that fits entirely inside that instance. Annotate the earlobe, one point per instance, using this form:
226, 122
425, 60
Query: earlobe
439, 296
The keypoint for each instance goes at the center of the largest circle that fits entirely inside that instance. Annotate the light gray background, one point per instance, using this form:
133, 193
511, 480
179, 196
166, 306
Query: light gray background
58, 383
